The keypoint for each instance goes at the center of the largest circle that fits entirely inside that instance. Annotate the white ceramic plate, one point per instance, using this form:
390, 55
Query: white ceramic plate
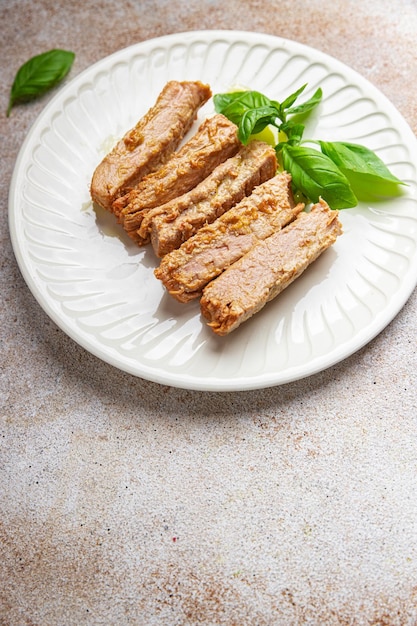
100, 288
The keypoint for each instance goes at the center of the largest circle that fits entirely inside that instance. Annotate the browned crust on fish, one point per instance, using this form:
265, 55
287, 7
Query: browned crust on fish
268, 268
176, 221
215, 141
150, 143
215, 247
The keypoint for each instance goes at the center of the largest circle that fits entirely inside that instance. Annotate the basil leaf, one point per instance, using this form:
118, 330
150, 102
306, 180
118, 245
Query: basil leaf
357, 160
288, 102
235, 104
223, 101
368, 175
255, 120
341, 173
39, 74
307, 106
251, 111
293, 131
253, 99
315, 175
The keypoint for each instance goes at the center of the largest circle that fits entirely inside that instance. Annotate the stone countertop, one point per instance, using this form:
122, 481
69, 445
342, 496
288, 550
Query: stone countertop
128, 502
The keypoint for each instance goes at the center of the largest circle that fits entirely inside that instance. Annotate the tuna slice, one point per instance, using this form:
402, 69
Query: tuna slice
215, 141
150, 143
268, 268
215, 247
174, 222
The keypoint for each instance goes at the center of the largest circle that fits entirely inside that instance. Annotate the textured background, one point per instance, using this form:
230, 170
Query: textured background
126, 502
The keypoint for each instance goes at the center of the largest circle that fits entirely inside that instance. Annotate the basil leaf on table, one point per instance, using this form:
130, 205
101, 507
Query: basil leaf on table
316, 176
39, 74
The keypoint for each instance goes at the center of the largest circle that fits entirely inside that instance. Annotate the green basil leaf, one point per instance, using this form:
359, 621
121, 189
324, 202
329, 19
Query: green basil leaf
254, 99
293, 131
288, 102
315, 175
249, 99
224, 100
351, 157
255, 120
39, 74
370, 188
307, 106
235, 104
341, 173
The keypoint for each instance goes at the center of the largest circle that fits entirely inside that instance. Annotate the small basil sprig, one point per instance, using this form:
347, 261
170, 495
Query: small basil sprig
39, 74
340, 172
252, 111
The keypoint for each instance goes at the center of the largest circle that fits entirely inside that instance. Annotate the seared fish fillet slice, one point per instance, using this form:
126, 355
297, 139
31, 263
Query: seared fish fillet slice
215, 247
215, 141
149, 144
174, 222
268, 268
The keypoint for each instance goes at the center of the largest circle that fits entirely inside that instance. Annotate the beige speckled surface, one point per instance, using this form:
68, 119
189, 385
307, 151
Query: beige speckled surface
125, 502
